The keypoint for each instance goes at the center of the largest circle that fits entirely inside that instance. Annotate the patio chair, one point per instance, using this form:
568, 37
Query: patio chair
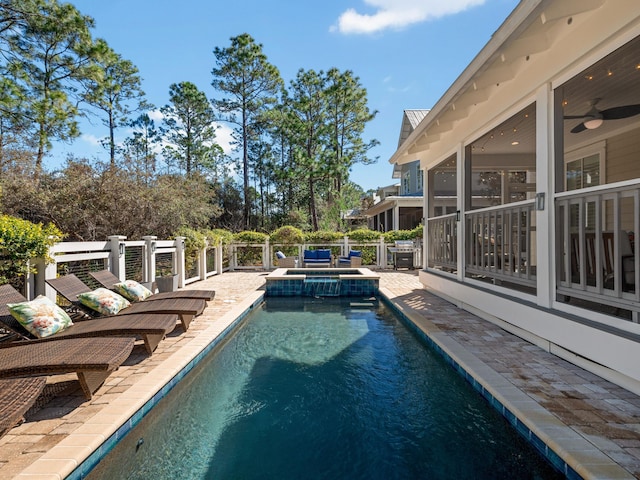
353, 260
152, 328
70, 286
91, 359
284, 261
110, 281
17, 396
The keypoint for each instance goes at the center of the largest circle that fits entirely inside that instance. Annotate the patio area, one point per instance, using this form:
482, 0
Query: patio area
593, 423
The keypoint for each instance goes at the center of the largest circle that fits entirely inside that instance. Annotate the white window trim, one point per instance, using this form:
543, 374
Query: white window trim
406, 182
599, 148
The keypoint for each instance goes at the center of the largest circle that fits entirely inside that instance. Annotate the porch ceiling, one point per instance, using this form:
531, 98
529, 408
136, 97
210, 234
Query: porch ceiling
532, 28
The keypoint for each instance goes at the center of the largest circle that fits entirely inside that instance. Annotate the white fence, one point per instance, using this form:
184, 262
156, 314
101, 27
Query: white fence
145, 260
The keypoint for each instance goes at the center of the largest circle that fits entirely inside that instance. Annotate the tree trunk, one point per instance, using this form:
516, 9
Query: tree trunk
112, 142
245, 167
312, 205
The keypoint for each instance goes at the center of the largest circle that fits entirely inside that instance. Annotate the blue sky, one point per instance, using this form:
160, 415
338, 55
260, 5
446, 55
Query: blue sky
405, 52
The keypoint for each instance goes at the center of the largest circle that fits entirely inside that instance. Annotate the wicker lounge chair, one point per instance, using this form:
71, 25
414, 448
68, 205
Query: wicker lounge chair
92, 359
71, 286
152, 328
17, 395
108, 280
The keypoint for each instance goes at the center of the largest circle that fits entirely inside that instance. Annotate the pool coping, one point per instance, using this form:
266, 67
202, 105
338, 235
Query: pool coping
363, 273
568, 450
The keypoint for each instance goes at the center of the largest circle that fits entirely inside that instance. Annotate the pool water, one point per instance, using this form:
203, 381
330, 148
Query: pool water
323, 388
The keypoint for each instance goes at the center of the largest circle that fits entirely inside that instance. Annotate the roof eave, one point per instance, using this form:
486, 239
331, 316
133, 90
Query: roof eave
514, 23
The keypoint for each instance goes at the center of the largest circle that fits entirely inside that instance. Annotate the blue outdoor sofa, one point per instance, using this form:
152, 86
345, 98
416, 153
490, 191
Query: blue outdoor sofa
317, 258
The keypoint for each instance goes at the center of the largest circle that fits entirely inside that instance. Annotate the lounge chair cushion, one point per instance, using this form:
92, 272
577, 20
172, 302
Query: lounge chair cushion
132, 290
104, 301
280, 255
41, 317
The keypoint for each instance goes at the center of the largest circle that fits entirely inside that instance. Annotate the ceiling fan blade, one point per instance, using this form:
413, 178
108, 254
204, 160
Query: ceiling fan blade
578, 128
624, 111
570, 117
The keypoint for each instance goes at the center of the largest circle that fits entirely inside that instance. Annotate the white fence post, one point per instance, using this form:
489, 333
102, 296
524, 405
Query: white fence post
117, 258
382, 256
50, 271
150, 241
35, 284
266, 255
202, 262
220, 257
180, 267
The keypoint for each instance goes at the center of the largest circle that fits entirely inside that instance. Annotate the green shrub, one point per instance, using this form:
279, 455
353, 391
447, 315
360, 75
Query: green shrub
219, 237
323, 236
287, 235
250, 237
20, 242
364, 235
194, 243
393, 235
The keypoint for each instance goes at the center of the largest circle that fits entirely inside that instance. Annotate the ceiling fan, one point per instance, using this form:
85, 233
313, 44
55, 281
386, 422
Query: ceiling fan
594, 117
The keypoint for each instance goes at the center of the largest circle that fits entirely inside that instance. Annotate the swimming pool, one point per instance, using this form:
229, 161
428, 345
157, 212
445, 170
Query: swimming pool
331, 388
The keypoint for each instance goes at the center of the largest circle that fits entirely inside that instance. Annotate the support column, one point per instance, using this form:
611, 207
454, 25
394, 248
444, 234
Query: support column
463, 202
396, 217
544, 214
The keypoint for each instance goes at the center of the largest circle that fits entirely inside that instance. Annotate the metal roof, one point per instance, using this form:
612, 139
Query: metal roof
410, 120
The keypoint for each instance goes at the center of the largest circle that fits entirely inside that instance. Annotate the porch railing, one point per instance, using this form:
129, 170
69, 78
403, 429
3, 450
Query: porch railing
500, 243
595, 256
443, 242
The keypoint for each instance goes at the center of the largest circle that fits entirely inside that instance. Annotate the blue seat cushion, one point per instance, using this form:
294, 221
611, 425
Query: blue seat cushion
355, 253
279, 254
310, 255
324, 254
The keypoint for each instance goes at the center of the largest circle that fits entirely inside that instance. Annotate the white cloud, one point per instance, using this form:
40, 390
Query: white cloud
91, 139
397, 14
224, 137
155, 115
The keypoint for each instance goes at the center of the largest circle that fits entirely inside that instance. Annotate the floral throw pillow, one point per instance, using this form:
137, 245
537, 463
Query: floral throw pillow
104, 301
132, 290
41, 316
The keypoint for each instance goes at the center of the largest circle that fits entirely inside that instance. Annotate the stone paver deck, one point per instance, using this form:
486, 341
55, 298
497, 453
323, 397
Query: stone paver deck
592, 423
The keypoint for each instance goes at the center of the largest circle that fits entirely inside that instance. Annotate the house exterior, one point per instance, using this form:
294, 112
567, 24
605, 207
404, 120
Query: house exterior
538, 143
399, 206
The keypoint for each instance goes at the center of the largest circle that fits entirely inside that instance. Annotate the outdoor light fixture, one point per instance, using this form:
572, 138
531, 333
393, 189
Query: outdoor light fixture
121, 248
153, 246
540, 201
457, 215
